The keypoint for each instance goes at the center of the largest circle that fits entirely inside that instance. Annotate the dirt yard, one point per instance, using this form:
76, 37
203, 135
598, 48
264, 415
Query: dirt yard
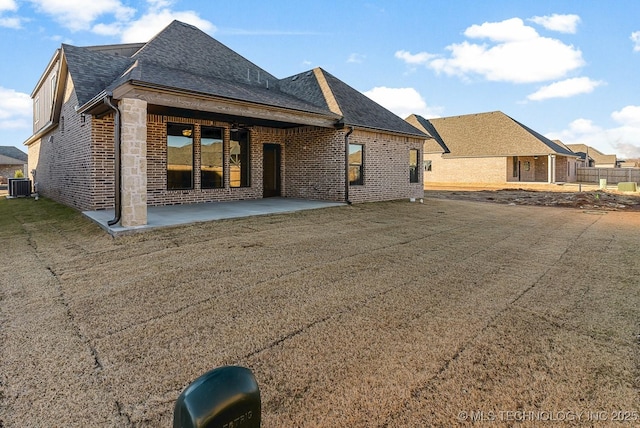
568, 196
447, 313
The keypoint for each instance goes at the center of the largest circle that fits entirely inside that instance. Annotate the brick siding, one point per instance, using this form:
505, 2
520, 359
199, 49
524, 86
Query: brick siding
76, 172
62, 158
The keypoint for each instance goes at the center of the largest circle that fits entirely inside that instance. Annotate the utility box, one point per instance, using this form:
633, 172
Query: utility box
603, 183
628, 186
19, 187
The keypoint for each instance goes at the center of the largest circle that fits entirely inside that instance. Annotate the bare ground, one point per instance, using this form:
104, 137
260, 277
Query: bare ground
590, 198
388, 314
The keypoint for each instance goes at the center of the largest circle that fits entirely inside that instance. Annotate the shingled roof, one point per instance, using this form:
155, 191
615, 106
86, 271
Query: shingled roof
325, 90
92, 71
13, 153
183, 57
597, 156
490, 134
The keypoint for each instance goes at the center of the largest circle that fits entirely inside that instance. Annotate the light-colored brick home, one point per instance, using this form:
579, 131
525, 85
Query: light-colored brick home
595, 157
184, 119
491, 148
12, 159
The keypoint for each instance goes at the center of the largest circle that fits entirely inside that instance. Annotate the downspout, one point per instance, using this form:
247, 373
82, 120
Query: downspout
346, 165
108, 100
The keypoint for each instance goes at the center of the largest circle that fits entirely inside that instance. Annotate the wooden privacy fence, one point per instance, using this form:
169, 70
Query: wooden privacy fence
612, 175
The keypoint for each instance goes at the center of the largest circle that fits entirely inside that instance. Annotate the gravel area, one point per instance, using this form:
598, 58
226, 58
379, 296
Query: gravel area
387, 314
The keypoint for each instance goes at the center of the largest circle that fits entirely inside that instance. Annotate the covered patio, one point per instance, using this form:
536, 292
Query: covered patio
174, 215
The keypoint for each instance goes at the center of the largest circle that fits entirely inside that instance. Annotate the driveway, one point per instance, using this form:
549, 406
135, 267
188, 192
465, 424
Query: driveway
386, 314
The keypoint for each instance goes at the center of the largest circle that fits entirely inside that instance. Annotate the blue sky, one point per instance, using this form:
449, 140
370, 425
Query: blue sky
568, 69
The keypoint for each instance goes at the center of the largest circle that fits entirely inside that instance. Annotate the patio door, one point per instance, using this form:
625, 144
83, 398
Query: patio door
271, 170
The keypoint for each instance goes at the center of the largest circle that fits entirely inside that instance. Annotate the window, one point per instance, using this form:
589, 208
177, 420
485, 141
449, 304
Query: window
514, 161
179, 156
414, 172
239, 158
212, 157
355, 164
427, 165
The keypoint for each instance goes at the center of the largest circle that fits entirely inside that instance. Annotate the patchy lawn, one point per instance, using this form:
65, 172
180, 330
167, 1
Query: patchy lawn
387, 314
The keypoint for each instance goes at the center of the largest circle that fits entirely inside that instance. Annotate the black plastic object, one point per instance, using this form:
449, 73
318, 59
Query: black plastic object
226, 397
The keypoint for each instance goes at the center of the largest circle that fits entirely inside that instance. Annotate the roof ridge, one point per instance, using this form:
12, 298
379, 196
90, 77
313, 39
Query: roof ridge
328, 94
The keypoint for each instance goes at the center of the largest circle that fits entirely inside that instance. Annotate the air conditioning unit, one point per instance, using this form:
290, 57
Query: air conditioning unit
19, 187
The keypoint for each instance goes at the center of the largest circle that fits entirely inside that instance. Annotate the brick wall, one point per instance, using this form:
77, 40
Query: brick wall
77, 173
466, 170
103, 162
314, 159
8, 171
386, 167
62, 158
496, 170
157, 193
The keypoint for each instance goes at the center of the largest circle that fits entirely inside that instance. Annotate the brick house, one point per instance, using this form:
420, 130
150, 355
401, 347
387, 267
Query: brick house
12, 159
184, 119
595, 157
491, 148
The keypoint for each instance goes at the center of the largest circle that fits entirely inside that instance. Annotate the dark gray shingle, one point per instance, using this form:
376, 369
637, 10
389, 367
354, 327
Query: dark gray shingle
92, 71
13, 152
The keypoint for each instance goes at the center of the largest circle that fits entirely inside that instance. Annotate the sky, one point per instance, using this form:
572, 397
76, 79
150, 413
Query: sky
569, 69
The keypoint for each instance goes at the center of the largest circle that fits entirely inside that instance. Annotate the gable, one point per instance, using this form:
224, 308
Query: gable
325, 90
433, 145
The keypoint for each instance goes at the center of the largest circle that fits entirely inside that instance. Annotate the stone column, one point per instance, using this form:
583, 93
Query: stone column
133, 163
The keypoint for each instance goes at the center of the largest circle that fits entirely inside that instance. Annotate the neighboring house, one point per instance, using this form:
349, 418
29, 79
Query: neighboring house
491, 148
595, 158
12, 159
629, 163
196, 122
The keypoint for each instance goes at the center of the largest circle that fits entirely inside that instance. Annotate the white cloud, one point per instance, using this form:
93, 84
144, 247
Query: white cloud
561, 23
79, 15
13, 22
356, 58
566, 88
417, 59
9, 5
402, 101
15, 109
635, 38
9, 22
622, 140
628, 116
509, 30
115, 18
154, 21
516, 53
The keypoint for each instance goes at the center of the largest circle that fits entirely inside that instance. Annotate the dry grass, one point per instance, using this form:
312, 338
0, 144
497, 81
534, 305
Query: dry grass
388, 314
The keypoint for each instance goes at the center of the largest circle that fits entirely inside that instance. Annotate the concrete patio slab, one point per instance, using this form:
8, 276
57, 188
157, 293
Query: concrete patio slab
173, 215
